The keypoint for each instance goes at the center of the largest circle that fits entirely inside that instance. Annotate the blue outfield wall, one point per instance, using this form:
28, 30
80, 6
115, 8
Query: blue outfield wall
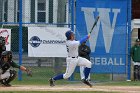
108, 41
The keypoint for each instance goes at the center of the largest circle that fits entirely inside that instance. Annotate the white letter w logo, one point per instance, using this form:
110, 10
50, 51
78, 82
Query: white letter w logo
104, 20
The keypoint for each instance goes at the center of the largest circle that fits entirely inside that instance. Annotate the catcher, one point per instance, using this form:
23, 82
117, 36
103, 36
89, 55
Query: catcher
7, 74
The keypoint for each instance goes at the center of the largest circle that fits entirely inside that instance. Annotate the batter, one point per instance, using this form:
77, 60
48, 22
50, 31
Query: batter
73, 59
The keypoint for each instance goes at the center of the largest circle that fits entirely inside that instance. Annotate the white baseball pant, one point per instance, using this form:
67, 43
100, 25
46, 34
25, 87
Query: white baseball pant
73, 62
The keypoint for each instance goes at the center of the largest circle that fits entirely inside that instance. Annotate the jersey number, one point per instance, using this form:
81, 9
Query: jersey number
67, 48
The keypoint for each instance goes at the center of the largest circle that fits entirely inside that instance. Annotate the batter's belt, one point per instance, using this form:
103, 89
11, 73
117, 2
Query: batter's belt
73, 57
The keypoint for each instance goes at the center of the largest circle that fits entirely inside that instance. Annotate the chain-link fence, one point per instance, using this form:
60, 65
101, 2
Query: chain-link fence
35, 13
39, 13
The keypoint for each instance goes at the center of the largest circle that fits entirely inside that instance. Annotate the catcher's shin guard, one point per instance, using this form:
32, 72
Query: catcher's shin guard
13, 75
3, 82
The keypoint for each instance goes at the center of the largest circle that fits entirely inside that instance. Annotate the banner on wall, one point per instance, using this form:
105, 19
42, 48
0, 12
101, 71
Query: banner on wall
6, 33
47, 42
109, 37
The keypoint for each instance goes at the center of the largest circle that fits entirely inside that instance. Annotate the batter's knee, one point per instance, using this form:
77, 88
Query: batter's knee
66, 76
89, 64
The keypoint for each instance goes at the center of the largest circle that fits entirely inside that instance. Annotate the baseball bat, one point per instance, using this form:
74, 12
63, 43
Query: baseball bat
94, 24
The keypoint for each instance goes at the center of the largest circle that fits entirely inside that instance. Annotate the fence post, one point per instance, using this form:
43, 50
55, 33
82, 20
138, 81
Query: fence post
20, 39
72, 15
129, 41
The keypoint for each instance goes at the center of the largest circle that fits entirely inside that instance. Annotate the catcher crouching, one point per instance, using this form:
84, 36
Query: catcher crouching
7, 73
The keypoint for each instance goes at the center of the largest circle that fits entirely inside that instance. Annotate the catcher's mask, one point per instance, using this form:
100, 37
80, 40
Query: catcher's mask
4, 55
7, 54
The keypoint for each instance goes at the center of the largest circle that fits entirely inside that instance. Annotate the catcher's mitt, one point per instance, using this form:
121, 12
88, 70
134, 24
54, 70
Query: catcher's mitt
29, 72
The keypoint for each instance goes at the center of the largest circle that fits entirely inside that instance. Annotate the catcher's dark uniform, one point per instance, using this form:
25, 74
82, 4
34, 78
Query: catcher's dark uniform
11, 75
7, 74
5, 66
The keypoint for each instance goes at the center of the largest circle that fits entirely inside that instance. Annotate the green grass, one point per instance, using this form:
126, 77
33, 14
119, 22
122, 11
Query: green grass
41, 76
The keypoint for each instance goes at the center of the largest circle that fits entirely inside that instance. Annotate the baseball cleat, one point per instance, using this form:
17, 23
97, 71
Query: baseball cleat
4, 84
51, 82
7, 85
86, 82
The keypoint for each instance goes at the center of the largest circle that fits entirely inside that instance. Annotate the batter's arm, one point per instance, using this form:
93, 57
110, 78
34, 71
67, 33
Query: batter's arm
84, 39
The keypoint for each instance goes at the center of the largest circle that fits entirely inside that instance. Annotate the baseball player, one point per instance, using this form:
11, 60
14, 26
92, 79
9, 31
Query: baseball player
7, 74
135, 54
73, 59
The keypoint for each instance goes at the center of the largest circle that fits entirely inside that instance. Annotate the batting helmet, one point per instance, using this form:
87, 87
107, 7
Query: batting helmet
68, 34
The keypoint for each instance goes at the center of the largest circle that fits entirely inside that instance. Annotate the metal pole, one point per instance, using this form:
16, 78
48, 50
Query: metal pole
69, 10
72, 15
20, 39
129, 41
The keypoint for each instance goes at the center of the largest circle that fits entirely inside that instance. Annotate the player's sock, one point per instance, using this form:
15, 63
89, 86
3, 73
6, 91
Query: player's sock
86, 72
58, 77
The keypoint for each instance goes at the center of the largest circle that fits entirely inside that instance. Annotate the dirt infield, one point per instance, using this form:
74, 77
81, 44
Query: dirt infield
121, 89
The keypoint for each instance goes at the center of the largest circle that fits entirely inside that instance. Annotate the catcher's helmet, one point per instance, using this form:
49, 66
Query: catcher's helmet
4, 54
68, 34
137, 40
8, 54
